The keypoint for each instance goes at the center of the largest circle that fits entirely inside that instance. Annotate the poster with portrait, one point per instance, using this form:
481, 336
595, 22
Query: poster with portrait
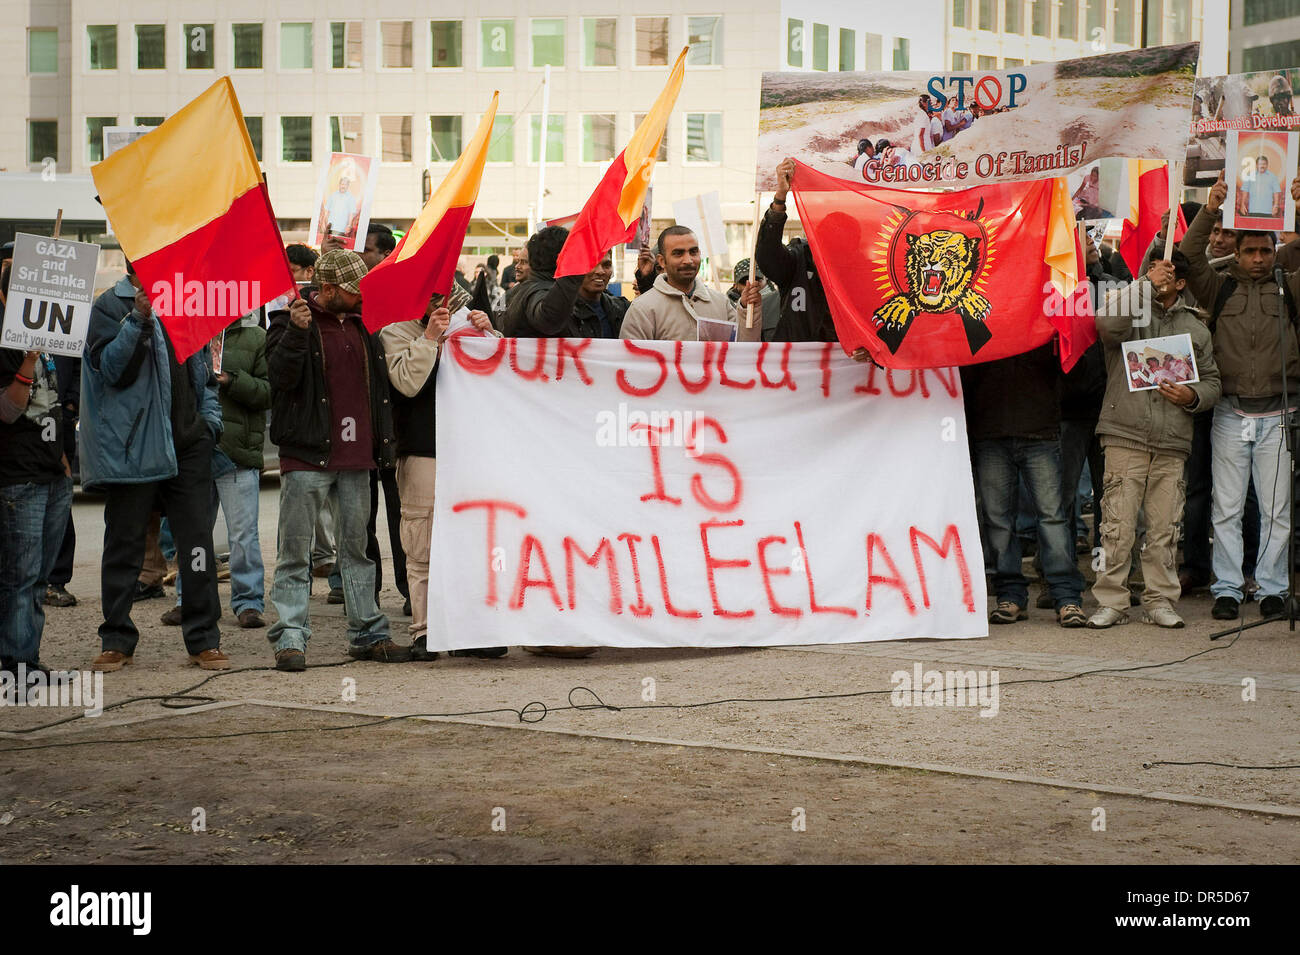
1099, 190
1261, 165
1150, 361
1265, 100
344, 196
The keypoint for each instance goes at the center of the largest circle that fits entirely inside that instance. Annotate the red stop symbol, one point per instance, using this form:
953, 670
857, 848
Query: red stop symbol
988, 92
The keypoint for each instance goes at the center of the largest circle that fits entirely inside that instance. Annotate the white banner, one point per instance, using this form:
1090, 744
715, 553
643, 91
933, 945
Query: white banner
671, 494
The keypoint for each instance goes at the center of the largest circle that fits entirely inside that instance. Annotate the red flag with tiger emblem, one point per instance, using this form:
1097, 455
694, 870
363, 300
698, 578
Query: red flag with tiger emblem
933, 279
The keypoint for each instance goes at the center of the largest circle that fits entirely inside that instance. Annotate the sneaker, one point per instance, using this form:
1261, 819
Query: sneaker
487, 653
1105, 617
151, 592
250, 619
322, 570
385, 651
1008, 612
111, 661
291, 661
1225, 608
336, 595
420, 651
564, 653
1272, 607
172, 618
212, 659
56, 596
1163, 617
1071, 617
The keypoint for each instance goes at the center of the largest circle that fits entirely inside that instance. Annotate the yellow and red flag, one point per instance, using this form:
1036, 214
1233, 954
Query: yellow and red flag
614, 209
1148, 200
424, 263
189, 206
926, 280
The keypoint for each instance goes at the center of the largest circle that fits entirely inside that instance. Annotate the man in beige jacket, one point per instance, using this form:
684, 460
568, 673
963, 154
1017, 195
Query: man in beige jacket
678, 308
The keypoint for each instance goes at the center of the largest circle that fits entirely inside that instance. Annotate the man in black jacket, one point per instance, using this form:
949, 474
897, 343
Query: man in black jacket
331, 417
576, 306
805, 313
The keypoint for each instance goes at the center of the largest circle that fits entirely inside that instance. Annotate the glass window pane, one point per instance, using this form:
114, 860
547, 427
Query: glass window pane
987, 62
502, 146
497, 43
395, 42
345, 134
704, 36
821, 47
395, 138
599, 41
42, 139
101, 44
651, 41
197, 40
902, 53
961, 61
794, 42
149, 120
663, 143
42, 51
1096, 17
848, 50
295, 46
1179, 21
254, 126
959, 13
1012, 21
704, 137
444, 138
247, 39
150, 46
1042, 17
875, 53
345, 45
554, 137
95, 136
548, 42
295, 139
988, 14
1067, 24
1010, 64
445, 37
1124, 22
598, 137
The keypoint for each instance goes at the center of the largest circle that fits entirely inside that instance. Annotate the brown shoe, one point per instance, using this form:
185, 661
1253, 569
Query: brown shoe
250, 619
566, 653
385, 651
172, 618
111, 661
322, 570
210, 660
291, 661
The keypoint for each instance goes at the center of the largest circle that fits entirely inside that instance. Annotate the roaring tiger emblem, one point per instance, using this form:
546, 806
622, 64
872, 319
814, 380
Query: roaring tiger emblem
941, 272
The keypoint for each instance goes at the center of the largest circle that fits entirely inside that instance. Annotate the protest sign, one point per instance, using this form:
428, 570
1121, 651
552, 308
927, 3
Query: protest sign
969, 127
344, 196
662, 494
51, 288
702, 214
115, 137
1150, 361
642, 238
1239, 101
1260, 167
1099, 190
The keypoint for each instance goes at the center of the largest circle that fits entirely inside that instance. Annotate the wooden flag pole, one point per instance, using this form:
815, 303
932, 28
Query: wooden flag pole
708, 240
753, 257
58, 224
1175, 197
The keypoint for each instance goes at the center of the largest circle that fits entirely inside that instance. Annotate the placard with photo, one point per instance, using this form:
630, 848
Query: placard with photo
1260, 167
1150, 361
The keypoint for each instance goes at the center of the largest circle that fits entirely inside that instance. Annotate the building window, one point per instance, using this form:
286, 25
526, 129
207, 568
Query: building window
598, 137
1042, 17
554, 138
395, 138
1275, 56
444, 138
501, 148
599, 41
988, 15
848, 49
101, 47
395, 44
1010, 64
149, 120
445, 43
703, 137
986, 62
821, 59
1179, 21
42, 140
902, 53
875, 53
346, 45
295, 47
345, 134
197, 41
1067, 24
150, 46
637, 119
960, 17
295, 139
794, 42
498, 40
1096, 17
42, 51
704, 36
247, 41
95, 136
1013, 17
254, 126
1266, 11
961, 61
547, 42
651, 41
1124, 22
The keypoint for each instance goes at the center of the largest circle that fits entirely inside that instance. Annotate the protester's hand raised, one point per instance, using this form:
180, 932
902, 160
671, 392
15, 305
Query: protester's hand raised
751, 296
645, 262
1161, 275
481, 321
1295, 188
1180, 395
784, 178
142, 306
439, 321
1218, 193
299, 313
330, 242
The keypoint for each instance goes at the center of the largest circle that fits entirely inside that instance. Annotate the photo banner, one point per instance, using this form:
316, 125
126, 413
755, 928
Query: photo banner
970, 127
693, 494
1263, 101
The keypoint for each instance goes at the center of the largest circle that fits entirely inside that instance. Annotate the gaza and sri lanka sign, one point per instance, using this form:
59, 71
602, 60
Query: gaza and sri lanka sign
964, 128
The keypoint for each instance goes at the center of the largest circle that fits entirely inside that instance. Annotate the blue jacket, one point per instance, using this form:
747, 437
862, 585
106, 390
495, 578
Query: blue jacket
126, 395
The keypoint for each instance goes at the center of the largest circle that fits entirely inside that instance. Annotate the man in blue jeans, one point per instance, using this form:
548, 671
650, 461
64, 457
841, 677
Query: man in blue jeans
1013, 414
331, 417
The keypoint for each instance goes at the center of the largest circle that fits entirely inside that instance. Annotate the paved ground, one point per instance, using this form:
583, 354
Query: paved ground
669, 781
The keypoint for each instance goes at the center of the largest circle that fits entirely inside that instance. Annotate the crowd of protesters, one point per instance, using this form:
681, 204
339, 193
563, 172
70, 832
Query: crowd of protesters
352, 414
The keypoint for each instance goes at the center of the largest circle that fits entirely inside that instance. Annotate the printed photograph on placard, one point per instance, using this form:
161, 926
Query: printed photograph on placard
1099, 189
711, 330
1149, 361
344, 195
1261, 166
218, 350
1265, 100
